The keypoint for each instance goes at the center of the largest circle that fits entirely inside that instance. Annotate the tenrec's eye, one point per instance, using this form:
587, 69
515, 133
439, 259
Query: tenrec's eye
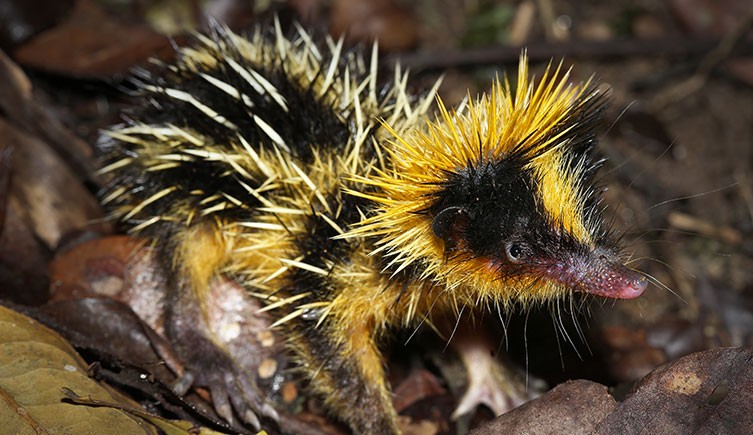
514, 252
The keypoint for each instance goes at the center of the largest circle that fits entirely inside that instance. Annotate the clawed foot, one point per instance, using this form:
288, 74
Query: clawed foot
218, 341
490, 382
232, 389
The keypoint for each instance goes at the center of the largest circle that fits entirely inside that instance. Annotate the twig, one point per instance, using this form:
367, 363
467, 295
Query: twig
571, 49
546, 11
686, 222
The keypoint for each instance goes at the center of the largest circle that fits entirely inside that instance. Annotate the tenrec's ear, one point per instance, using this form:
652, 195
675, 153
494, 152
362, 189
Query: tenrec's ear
449, 224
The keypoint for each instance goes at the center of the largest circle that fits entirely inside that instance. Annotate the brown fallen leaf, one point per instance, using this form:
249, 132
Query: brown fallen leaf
91, 44
706, 392
21, 20
419, 385
6, 163
169, 427
369, 20
35, 364
25, 112
58, 204
575, 407
630, 356
23, 257
111, 328
80, 271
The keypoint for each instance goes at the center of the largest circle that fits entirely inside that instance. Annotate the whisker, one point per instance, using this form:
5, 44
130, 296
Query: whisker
557, 337
576, 323
660, 284
696, 195
455, 328
618, 117
504, 329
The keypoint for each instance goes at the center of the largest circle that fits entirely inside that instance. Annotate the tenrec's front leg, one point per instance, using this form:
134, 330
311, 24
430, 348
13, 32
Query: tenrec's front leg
197, 258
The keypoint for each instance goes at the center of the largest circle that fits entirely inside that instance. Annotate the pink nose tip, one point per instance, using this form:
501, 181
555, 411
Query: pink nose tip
632, 288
